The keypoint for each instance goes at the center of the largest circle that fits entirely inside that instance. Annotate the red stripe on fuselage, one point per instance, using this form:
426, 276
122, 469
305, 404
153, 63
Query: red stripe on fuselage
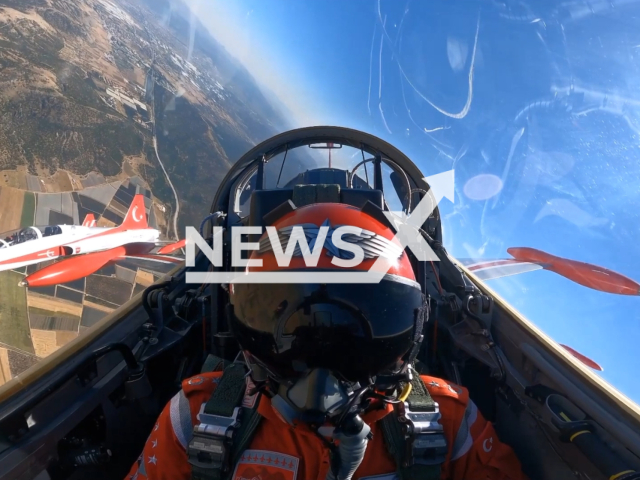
42, 255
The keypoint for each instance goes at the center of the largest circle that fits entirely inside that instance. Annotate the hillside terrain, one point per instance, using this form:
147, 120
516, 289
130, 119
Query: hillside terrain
86, 85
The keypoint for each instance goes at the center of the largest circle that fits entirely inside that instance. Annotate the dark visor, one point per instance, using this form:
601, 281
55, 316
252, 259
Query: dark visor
355, 330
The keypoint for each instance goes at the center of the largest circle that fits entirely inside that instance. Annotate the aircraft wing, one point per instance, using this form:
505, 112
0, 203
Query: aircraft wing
490, 269
172, 247
527, 259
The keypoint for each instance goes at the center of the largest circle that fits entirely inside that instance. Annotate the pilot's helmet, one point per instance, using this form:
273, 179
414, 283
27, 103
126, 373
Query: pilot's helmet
355, 330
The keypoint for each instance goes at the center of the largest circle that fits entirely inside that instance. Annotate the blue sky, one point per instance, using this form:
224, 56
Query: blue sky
313, 83
547, 154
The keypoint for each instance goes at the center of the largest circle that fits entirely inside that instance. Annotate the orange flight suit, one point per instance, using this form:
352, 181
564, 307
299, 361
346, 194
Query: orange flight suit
281, 452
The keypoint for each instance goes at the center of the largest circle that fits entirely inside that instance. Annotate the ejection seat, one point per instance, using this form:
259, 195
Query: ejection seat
322, 185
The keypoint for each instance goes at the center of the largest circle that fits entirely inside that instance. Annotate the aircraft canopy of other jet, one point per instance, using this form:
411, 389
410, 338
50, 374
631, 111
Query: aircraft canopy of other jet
26, 234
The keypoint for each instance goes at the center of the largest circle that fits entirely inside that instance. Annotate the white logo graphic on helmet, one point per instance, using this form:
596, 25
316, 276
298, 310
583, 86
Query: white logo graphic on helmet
373, 245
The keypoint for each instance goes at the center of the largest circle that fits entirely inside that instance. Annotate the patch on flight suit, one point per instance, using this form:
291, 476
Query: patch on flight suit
486, 443
455, 389
450, 390
386, 476
265, 465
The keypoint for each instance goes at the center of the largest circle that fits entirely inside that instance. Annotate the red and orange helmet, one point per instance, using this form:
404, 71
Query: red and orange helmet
357, 331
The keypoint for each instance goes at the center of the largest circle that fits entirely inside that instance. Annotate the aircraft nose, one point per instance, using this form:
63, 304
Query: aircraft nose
23, 283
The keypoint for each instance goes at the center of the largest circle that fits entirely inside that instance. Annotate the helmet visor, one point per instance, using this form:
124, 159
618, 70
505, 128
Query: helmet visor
354, 330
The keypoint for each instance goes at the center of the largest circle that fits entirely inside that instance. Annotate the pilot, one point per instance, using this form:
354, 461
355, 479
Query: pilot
328, 388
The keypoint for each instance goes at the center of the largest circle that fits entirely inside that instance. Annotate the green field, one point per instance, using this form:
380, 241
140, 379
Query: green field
28, 209
14, 323
48, 313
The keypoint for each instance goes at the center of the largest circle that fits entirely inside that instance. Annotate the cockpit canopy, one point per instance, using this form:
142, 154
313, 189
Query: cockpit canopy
326, 163
358, 171
323, 164
27, 234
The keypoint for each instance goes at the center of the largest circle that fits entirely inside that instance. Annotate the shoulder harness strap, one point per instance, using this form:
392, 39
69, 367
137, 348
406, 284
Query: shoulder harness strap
214, 364
225, 427
414, 436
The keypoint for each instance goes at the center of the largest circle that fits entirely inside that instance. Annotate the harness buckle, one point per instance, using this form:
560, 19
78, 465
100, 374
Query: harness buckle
209, 449
216, 424
427, 444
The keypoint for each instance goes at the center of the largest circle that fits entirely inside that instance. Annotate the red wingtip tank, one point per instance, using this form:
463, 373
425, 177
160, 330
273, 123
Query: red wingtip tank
586, 360
72, 269
586, 274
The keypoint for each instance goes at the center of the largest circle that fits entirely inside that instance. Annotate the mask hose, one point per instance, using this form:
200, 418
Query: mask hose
353, 436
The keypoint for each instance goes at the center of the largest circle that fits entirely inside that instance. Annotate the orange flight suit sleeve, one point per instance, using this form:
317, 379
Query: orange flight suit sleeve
488, 458
476, 452
163, 457
165, 453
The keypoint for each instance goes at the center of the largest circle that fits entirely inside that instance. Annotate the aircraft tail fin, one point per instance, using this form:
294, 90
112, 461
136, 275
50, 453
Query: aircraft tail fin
136, 216
89, 220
